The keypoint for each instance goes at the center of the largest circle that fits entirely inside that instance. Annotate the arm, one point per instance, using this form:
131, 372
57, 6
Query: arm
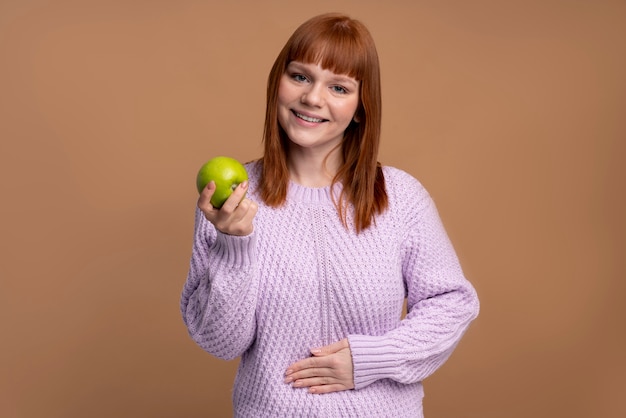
441, 305
219, 297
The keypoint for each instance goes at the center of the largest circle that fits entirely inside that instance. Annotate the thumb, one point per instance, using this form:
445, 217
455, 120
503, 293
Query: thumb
330, 349
208, 190
204, 201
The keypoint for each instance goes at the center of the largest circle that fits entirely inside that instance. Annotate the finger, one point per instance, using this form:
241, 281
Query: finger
246, 211
337, 387
241, 211
315, 381
204, 200
235, 198
305, 374
331, 348
307, 363
241, 219
252, 210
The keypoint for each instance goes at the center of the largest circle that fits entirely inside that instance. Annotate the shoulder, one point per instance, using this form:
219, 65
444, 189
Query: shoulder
410, 204
401, 185
409, 200
253, 168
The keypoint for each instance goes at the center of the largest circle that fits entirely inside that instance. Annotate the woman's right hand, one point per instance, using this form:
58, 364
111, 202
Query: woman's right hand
236, 214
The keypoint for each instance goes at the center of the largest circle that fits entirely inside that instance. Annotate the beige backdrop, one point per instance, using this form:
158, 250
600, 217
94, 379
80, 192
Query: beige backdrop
510, 112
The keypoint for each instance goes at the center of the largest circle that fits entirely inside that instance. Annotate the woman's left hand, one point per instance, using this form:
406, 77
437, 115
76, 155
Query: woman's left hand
329, 370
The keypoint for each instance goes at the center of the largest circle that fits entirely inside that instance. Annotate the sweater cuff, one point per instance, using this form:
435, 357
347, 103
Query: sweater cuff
235, 251
373, 359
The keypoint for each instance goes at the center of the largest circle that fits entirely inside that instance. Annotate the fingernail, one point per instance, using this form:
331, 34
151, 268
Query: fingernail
244, 184
316, 351
288, 379
288, 372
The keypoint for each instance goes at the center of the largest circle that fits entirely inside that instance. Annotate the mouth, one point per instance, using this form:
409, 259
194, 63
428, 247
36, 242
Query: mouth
308, 118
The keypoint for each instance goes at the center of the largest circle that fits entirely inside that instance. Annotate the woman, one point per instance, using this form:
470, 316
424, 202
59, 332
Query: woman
305, 277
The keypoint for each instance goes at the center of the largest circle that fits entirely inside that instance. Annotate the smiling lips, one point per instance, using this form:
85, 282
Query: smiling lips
308, 118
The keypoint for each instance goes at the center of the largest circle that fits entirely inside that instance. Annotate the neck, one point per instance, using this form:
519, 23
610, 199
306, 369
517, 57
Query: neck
312, 169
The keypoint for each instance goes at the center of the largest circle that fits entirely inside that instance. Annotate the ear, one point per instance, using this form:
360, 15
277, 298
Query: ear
356, 119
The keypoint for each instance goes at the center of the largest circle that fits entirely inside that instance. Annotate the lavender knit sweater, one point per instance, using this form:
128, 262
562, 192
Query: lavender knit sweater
302, 280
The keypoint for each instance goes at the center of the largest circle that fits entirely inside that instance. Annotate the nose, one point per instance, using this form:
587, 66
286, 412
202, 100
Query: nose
313, 96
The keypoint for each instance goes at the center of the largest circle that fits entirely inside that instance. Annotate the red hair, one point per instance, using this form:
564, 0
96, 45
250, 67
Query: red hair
344, 46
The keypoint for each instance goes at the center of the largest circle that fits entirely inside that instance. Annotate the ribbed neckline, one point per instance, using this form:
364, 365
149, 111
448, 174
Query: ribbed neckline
299, 193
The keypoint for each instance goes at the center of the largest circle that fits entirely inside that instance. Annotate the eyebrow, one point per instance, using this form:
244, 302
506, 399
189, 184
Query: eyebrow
336, 78
345, 80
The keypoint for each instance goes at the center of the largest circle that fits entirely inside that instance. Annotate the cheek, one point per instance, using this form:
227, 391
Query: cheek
285, 93
348, 111
283, 115
283, 101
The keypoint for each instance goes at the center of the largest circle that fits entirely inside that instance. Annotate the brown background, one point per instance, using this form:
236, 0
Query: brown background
510, 112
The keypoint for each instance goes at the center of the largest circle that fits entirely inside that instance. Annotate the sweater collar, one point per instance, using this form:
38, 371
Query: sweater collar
299, 193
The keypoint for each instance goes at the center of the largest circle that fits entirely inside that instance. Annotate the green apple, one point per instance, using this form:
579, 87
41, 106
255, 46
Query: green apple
226, 172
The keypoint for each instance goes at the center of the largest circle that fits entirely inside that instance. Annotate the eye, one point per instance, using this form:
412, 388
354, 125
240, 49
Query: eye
299, 78
339, 89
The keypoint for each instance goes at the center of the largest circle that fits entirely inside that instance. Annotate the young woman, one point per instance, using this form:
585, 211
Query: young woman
305, 278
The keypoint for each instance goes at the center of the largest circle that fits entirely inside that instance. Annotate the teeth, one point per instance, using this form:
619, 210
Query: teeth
308, 119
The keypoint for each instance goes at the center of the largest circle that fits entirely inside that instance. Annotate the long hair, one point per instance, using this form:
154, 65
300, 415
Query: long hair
344, 46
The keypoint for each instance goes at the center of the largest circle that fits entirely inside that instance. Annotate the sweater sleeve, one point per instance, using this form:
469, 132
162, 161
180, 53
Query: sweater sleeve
441, 305
219, 297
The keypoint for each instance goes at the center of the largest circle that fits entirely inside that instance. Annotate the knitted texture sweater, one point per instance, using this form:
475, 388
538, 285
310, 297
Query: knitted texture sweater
303, 280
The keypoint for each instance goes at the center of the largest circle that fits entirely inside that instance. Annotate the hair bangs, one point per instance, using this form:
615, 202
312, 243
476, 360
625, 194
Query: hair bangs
335, 49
